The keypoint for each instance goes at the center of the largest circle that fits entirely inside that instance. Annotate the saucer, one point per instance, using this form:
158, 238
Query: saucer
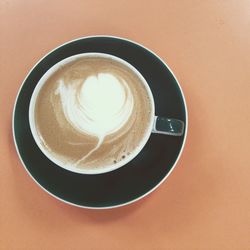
140, 176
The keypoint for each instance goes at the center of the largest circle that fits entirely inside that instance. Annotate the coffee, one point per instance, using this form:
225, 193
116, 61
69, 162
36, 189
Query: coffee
92, 112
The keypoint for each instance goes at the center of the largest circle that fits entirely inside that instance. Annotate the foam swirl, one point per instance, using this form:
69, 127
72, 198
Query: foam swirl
98, 106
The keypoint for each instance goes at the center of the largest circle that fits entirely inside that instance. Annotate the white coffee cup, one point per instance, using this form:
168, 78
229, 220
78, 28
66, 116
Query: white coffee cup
161, 125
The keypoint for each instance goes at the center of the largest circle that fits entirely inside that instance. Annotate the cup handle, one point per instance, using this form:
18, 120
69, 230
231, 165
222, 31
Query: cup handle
168, 126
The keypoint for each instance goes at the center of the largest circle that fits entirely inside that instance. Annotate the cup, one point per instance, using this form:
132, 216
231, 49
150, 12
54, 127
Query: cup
160, 125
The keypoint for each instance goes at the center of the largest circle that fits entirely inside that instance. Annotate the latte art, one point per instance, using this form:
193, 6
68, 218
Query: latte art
91, 113
98, 106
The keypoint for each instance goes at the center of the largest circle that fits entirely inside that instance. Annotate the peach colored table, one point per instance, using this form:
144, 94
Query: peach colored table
205, 203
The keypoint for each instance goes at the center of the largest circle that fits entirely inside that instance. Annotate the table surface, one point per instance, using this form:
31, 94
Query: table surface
205, 203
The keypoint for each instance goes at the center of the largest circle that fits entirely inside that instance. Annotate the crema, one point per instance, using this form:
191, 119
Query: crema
92, 112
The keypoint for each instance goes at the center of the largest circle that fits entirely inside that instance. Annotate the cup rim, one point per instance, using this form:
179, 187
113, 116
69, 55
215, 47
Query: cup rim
135, 199
106, 168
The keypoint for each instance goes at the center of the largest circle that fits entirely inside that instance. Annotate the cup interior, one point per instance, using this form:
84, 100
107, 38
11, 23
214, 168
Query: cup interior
37, 138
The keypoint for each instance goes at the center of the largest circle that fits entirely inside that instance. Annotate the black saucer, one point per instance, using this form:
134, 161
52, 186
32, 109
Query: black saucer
138, 177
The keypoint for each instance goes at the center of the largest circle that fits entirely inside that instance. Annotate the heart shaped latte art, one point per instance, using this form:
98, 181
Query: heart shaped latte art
99, 105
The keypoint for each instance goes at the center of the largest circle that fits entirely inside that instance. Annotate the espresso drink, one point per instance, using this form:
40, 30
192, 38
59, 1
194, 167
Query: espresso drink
92, 112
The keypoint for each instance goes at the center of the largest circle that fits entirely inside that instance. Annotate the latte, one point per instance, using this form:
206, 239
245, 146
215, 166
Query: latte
92, 112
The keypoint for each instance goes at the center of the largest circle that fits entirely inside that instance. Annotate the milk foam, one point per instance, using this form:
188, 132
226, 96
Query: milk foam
99, 105
92, 113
